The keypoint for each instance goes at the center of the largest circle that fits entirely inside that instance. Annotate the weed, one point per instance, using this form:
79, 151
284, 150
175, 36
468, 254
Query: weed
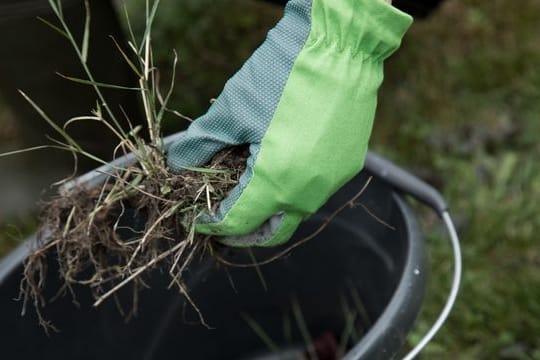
110, 235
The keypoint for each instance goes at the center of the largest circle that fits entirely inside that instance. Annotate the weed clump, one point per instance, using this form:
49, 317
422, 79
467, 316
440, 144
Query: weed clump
113, 235
110, 234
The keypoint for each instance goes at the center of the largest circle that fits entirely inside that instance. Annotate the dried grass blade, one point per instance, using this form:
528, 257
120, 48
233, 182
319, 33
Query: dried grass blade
54, 27
98, 84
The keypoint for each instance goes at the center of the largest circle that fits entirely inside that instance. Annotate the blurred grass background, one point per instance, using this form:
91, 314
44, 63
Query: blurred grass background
459, 107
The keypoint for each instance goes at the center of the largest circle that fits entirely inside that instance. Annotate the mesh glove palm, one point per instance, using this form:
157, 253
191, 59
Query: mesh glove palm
305, 103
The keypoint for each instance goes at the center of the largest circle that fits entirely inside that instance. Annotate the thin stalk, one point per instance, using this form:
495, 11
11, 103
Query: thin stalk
302, 326
323, 226
257, 269
30, 149
139, 271
57, 9
149, 231
257, 328
104, 122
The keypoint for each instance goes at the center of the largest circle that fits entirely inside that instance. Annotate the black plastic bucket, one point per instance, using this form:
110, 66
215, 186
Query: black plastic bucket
378, 270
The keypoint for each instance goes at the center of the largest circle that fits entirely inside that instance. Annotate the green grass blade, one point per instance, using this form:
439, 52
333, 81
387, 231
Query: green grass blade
96, 83
360, 307
205, 170
257, 328
159, 116
134, 134
149, 20
30, 149
86, 36
54, 27
78, 150
303, 327
258, 269
287, 327
126, 57
54, 7
58, 129
60, 8
80, 118
128, 22
90, 81
349, 317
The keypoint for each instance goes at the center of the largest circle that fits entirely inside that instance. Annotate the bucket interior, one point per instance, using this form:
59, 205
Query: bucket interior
328, 293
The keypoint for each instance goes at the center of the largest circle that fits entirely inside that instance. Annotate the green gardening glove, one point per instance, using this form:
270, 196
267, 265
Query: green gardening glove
305, 103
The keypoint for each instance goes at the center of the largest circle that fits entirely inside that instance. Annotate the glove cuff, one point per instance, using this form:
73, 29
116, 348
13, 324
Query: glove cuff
373, 28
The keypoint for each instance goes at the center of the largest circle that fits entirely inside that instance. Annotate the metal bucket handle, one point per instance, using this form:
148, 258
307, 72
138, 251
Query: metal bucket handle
408, 184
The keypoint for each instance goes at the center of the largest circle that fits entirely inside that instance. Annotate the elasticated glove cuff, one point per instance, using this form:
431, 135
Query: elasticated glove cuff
373, 28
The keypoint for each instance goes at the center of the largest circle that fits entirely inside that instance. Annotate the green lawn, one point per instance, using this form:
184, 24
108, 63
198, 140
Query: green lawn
459, 107
12, 231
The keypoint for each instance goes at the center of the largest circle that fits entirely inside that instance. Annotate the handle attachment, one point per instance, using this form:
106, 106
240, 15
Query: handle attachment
406, 182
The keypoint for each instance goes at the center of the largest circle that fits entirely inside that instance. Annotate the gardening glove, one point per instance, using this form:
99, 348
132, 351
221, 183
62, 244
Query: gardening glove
305, 103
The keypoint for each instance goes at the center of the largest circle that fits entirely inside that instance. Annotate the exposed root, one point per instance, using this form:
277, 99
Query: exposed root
112, 237
350, 203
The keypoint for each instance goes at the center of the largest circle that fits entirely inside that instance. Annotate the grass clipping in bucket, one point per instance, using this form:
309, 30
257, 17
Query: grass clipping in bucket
109, 236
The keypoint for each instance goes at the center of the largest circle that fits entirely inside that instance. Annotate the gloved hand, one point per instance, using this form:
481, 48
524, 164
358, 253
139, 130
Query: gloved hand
305, 102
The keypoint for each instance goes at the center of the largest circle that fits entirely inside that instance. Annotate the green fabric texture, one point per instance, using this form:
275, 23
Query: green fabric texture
318, 137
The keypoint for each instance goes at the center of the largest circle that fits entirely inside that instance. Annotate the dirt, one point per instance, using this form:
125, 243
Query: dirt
109, 245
